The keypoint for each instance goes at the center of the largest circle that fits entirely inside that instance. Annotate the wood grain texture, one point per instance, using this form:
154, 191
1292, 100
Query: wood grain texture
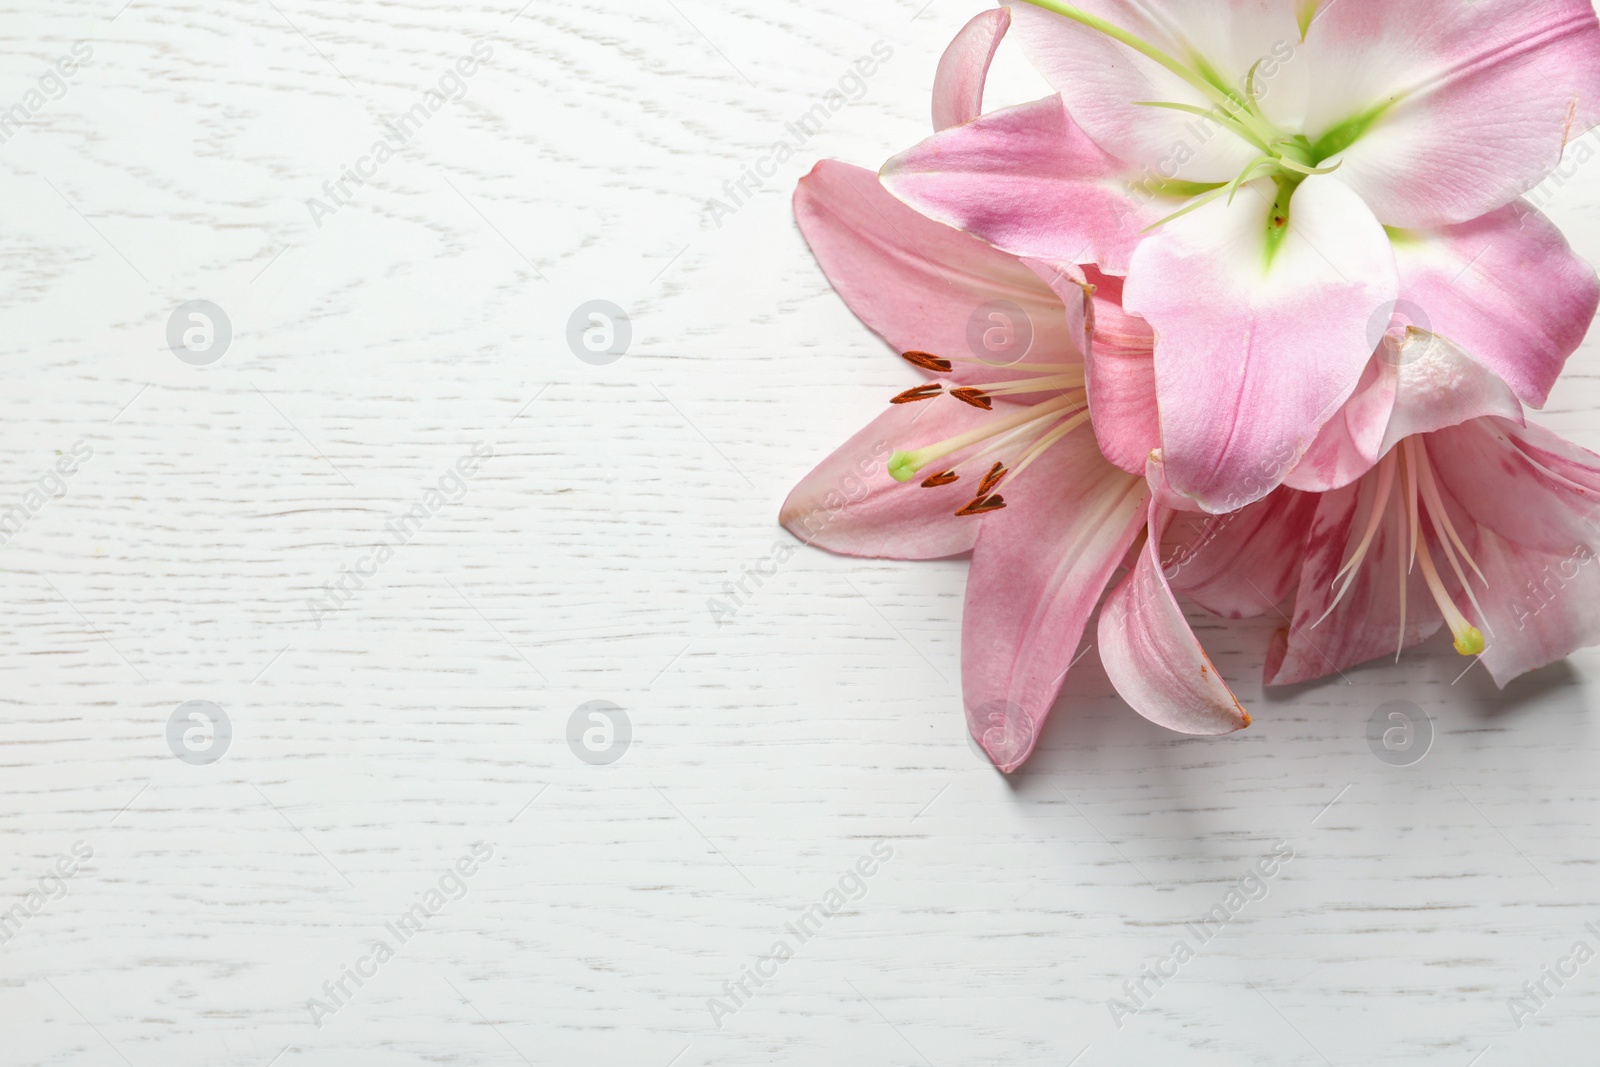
369, 752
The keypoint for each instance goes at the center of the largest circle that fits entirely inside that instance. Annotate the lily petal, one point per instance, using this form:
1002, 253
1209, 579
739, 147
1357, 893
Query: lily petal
1245, 563
1039, 568
1028, 180
1477, 100
1533, 629
1418, 383
1150, 652
1119, 370
1535, 500
964, 68
1366, 622
850, 505
1524, 483
920, 285
1507, 288
1254, 353
1103, 81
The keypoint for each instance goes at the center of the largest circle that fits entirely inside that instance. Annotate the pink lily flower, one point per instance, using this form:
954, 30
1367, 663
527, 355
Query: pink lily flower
1469, 519
1275, 178
1000, 461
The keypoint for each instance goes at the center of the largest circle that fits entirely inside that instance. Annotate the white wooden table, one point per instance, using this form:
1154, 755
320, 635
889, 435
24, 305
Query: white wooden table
374, 741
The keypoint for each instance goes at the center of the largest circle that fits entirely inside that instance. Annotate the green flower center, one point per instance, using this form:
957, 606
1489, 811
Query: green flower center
1286, 159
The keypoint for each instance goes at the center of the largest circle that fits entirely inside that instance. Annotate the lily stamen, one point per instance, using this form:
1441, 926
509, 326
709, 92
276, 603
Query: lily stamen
903, 466
919, 393
982, 506
977, 398
1053, 383
1408, 467
1039, 447
944, 364
927, 361
992, 479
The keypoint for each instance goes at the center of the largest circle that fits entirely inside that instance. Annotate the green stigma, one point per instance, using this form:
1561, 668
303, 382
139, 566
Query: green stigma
1469, 642
903, 466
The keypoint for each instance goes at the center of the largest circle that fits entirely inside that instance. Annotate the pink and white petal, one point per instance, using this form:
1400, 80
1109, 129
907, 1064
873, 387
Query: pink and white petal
1254, 355
1245, 563
1528, 504
964, 68
1028, 180
1417, 384
1120, 371
1551, 607
1121, 384
1076, 293
1039, 569
1102, 80
917, 283
1367, 623
1487, 94
1152, 656
1437, 386
1566, 463
850, 505
1507, 289
1526, 484
1352, 441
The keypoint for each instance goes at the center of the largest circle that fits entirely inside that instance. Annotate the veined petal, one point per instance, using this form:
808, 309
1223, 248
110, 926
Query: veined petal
1524, 483
1475, 101
1119, 372
1256, 351
1533, 501
1103, 81
1029, 181
1553, 608
1438, 386
1366, 622
920, 285
1150, 652
1507, 288
850, 505
1242, 564
964, 68
1352, 441
1038, 570
1416, 384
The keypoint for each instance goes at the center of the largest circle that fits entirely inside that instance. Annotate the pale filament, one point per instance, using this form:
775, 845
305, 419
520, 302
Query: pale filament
1408, 469
1025, 432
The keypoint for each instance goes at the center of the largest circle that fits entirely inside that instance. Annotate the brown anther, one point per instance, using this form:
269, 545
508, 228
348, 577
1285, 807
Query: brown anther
921, 392
935, 481
925, 361
982, 506
976, 397
992, 479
